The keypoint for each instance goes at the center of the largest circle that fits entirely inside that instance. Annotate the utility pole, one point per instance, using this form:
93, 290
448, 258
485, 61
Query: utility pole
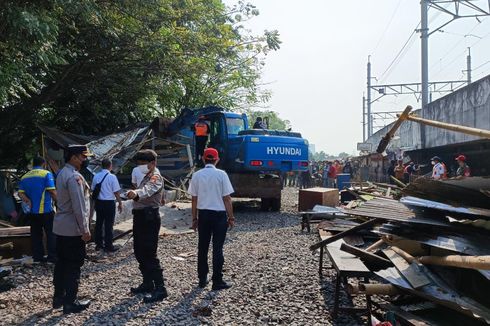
363, 118
424, 36
455, 9
368, 103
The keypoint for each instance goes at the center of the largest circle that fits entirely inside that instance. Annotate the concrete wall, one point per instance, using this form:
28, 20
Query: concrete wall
468, 106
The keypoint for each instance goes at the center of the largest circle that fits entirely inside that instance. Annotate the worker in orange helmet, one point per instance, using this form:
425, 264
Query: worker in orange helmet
463, 168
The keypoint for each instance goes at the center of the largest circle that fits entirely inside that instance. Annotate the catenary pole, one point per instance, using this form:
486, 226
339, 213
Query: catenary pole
363, 119
424, 7
368, 100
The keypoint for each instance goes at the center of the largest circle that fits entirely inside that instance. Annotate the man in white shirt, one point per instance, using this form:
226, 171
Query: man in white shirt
136, 177
438, 170
212, 214
105, 206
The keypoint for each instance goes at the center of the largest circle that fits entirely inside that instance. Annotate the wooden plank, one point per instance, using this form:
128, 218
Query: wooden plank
410, 272
5, 224
367, 256
340, 235
346, 262
19, 230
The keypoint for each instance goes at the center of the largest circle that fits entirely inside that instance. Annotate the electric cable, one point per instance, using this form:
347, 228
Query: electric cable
399, 54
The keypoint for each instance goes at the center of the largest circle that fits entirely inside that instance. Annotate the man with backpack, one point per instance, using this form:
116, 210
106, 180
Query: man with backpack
105, 191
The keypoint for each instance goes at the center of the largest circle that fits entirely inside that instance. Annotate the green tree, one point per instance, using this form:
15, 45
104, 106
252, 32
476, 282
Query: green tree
320, 156
92, 66
343, 155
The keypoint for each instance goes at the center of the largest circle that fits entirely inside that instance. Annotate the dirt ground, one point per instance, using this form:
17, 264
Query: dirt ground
274, 279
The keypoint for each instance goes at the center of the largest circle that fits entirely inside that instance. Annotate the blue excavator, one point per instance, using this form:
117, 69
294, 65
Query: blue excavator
254, 159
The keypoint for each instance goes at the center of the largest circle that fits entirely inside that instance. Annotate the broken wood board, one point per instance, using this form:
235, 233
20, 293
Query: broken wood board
344, 261
411, 272
18, 230
6, 224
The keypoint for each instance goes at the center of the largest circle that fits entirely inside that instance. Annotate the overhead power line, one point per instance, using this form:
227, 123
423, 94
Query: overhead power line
400, 53
387, 26
456, 44
459, 56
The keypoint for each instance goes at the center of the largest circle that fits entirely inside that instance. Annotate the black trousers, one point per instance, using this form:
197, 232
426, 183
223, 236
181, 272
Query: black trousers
106, 213
212, 224
200, 145
71, 255
40, 224
146, 226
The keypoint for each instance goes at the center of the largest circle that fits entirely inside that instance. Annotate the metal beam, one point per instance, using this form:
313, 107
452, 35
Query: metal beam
440, 87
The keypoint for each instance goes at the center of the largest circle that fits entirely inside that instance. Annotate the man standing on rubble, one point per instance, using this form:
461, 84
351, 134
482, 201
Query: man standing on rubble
71, 226
212, 214
438, 169
146, 226
37, 191
463, 168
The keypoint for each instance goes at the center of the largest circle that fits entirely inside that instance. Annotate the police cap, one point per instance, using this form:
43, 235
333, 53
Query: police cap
146, 155
79, 149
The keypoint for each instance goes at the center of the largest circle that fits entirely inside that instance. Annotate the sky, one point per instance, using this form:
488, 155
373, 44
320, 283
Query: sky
318, 77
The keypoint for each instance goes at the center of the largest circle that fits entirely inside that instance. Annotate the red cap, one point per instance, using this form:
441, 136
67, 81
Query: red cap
461, 158
211, 154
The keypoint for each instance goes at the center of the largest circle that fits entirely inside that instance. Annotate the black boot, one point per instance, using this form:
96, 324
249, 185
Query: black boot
145, 287
220, 285
203, 282
158, 294
76, 306
58, 301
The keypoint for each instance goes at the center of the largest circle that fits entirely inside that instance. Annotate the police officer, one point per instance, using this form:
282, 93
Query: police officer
146, 226
212, 214
201, 131
71, 226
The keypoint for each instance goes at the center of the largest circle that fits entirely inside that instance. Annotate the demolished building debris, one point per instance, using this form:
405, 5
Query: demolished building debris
432, 245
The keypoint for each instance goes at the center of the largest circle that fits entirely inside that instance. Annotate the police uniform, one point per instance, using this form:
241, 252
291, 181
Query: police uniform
70, 223
146, 226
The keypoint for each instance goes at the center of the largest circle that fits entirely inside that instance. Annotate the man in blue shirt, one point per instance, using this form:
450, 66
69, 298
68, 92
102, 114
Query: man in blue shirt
37, 191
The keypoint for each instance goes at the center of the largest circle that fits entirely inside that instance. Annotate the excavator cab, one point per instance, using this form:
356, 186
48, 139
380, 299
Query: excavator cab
224, 132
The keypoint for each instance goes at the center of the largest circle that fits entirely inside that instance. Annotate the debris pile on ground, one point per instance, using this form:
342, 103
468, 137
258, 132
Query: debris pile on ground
431, 259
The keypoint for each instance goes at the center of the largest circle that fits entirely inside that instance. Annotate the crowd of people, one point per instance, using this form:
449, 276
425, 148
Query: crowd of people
406, 171
60, 205
318, 174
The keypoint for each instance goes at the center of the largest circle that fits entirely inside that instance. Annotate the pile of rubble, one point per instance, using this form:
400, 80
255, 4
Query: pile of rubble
422, 259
